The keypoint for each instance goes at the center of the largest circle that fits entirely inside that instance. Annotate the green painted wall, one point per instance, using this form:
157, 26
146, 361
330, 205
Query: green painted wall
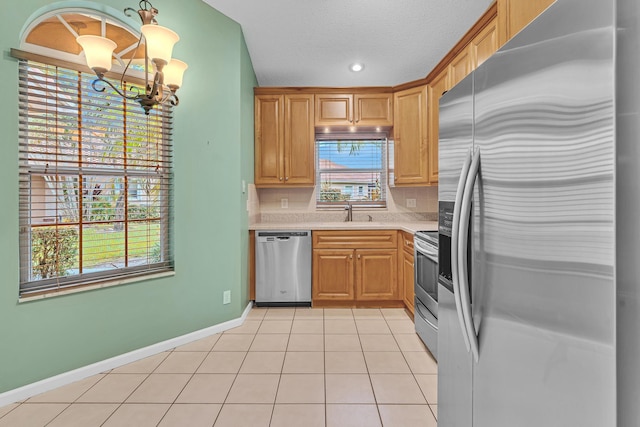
248, 82
213, 142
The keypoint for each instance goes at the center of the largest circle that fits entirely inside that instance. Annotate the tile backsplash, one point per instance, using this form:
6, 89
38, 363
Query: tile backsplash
300, 205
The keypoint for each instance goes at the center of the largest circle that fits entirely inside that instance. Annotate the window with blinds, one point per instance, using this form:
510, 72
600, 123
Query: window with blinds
351, 170
95, 182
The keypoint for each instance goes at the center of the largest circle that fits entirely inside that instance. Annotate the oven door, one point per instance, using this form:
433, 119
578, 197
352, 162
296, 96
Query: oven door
426, 275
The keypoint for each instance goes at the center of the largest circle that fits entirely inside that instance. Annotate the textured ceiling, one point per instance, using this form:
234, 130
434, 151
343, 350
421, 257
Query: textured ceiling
312, 42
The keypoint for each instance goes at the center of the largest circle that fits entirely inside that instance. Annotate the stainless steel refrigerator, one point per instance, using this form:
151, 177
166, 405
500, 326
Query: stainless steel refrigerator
531, 203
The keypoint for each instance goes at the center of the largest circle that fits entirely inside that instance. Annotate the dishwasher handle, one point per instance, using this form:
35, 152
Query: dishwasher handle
280, 236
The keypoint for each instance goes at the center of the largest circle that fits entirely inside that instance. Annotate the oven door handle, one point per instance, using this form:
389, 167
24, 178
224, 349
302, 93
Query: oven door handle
425, 250
463, 246
455, 231
424, 317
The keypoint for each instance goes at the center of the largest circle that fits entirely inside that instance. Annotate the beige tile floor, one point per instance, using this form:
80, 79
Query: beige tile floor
283, 367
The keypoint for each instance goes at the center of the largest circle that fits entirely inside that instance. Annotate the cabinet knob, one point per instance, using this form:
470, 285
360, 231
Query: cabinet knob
286, 178
280, 178
358, 256
350, 256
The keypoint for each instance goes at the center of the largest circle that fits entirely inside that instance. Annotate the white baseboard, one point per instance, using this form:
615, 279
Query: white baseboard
65, 378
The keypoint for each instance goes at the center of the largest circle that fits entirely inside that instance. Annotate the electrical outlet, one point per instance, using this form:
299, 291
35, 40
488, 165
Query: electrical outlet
226, 297
284, 203
411, 203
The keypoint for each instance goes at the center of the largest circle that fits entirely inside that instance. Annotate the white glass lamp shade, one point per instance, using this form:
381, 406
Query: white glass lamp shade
160, 41
173, 73
98, 51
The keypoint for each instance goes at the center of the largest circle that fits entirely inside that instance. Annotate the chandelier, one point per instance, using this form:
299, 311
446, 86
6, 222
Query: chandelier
158, 42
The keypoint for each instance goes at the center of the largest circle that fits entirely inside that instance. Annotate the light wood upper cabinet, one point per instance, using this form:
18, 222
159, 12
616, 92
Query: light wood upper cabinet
299, 140
411, 156
269, 139
334, 110
437, 88
354, 109
284, 140
460, 67
484, 44
514, 15
373, 109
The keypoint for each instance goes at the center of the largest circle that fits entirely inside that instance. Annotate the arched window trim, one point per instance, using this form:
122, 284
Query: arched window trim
79, 59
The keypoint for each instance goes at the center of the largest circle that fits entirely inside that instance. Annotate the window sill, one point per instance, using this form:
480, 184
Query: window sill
94, 286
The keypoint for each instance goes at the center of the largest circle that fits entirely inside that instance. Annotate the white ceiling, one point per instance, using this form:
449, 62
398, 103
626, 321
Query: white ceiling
312, 42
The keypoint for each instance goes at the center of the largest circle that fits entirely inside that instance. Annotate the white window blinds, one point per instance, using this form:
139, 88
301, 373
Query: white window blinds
95, 182
351, 170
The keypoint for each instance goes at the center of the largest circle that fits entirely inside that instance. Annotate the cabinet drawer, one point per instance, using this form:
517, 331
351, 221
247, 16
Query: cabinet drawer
407, 242
369, 239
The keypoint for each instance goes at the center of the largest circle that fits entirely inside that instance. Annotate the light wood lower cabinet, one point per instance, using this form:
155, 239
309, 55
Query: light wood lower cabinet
408, 281
405, 269
355, 268
252, 265
333, 271
376, 274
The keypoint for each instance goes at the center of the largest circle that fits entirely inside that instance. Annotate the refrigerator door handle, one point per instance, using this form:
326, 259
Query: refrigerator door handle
465, 215
455, 230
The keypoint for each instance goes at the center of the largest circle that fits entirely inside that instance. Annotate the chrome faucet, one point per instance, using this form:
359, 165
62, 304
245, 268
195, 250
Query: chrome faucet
349, 209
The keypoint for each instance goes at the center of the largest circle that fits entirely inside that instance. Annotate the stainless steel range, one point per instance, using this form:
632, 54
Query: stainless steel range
426, 288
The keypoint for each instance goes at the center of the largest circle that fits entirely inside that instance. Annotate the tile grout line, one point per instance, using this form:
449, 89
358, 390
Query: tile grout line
189, 380
53, 419
237, 373
275, 397
373, 390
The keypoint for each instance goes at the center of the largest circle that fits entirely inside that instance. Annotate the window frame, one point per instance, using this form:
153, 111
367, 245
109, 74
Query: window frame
30, 284
383, 171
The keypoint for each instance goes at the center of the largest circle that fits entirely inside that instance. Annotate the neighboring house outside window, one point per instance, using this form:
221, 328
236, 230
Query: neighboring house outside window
95, 177
351, 171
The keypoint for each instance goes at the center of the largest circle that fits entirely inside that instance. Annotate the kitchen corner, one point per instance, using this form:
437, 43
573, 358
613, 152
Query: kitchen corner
365, 262
265, 211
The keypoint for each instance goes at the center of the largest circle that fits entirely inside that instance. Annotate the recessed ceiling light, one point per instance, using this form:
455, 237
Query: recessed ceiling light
356, 67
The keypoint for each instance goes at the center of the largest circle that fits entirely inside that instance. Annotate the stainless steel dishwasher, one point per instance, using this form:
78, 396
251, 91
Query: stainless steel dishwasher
283, 268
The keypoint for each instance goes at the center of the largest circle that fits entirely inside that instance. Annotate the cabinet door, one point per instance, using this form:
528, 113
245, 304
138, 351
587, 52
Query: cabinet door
514, 15
484, 44
334, 110
269, 127
333, 274
377, 274
408, 280
460, 67
410, 137
374, 109
299, 140
437, 87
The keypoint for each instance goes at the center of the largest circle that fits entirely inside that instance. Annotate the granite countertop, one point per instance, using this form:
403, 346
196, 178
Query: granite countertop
409, 227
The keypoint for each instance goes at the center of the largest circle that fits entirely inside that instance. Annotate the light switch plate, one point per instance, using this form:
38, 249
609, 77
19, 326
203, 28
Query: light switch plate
226, 297
411, 203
